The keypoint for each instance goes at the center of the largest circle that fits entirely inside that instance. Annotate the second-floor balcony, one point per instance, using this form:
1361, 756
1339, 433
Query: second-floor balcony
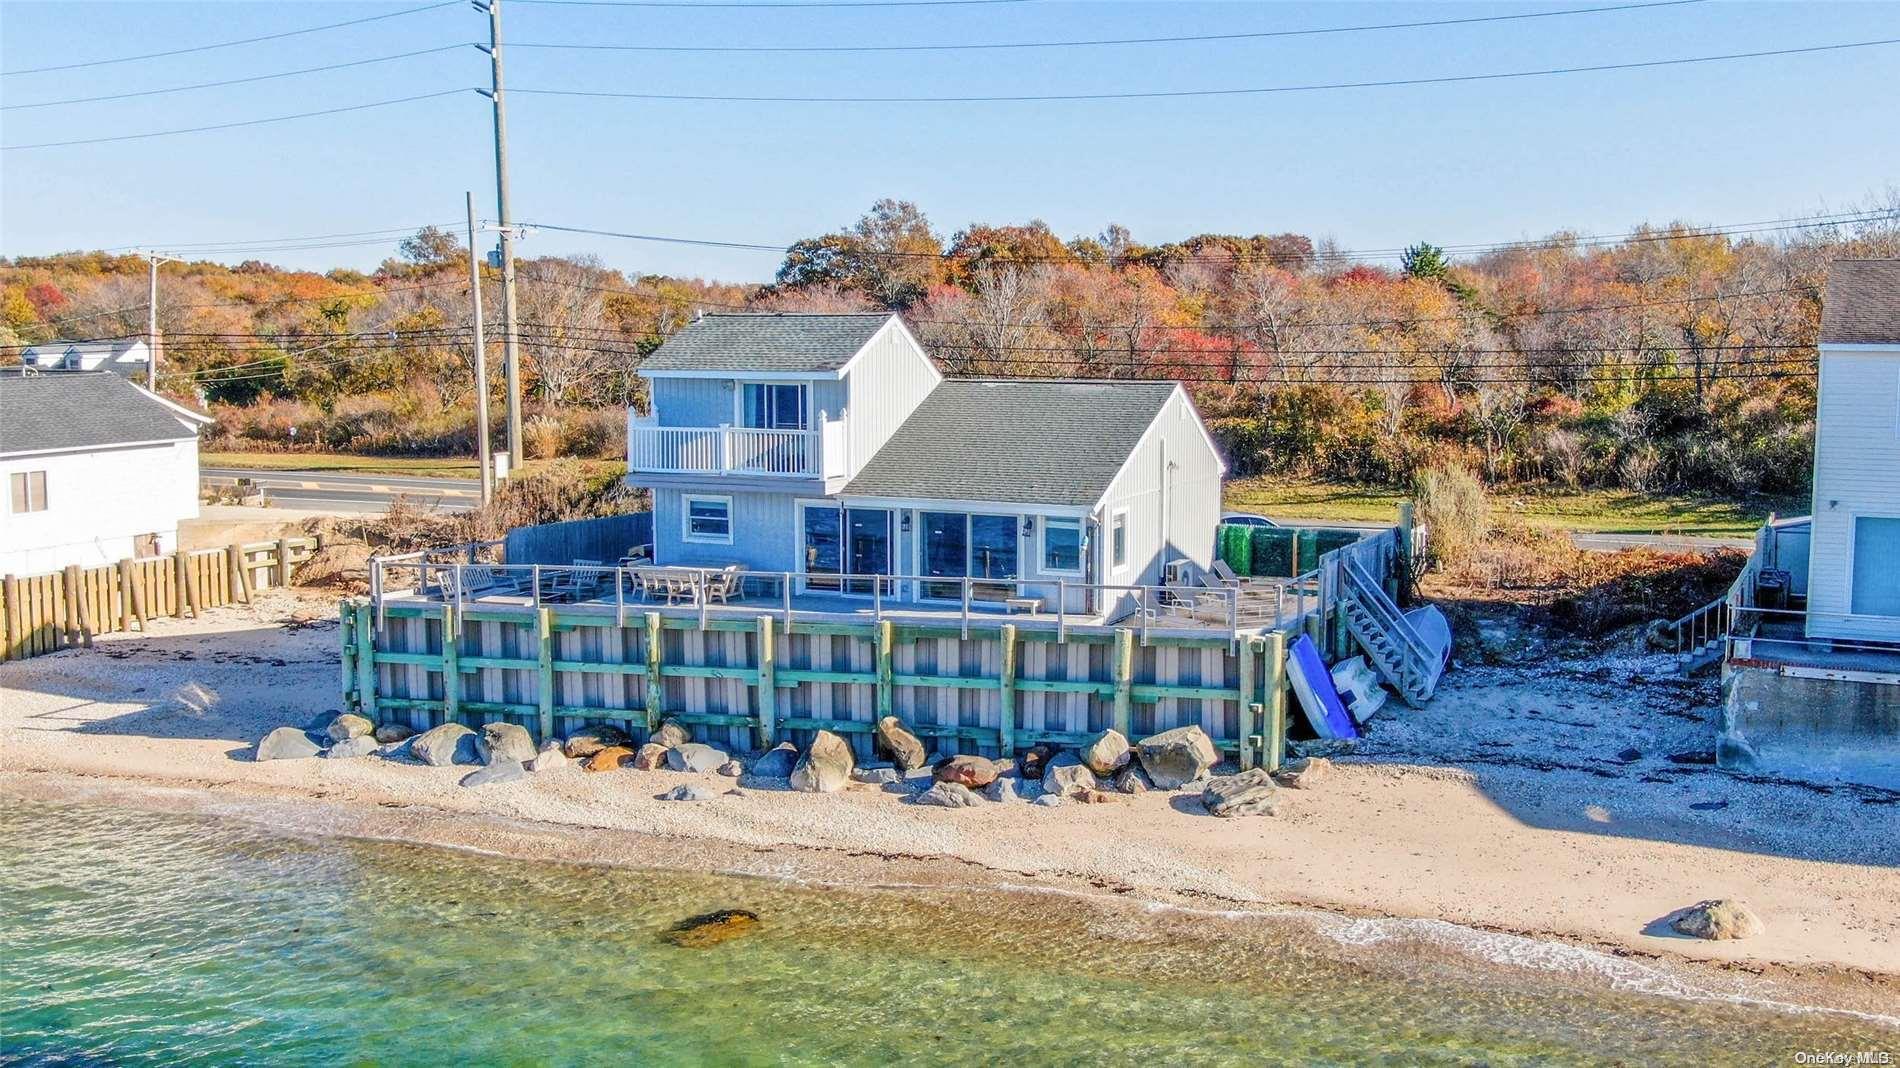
735, 450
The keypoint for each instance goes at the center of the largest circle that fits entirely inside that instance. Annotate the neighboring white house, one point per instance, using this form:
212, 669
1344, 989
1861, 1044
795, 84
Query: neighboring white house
128, 358
95, 468
830, 447
1854, 553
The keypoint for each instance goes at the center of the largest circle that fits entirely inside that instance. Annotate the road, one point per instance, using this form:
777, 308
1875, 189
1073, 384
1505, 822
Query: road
1667, 542
334, 492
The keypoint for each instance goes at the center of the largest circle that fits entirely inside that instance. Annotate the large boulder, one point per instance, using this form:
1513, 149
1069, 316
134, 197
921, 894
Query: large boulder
1002, 791
948, 795
972, 771
286, 743
777, 763
1133, 780
613, 756
1031, 761
392, 733
1065, 775
824, 768
875, 776
898, 743
506, 741
694, 757
450, 743
1249, 793
671, 733
1175, 758
1106, 753
360, 746
590, 740
1720, 919
650, 757
348, 725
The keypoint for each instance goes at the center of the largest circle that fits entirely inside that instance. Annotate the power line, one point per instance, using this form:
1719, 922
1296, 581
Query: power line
236, 81
235, 125
1101, 42
786, 4
1158, 94
233, 44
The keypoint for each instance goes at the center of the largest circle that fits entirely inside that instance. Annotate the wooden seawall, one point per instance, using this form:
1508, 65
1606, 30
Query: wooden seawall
750, 683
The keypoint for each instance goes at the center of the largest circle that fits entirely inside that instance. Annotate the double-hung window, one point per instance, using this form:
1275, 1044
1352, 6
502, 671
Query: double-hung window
1061, 546
29, 491
707, 520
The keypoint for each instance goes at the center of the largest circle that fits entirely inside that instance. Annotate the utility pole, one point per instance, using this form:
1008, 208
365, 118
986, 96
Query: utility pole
481, 358
151, 322
510, 346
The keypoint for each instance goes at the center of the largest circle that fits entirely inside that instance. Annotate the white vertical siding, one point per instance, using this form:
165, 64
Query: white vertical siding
97, 502
886, 384
1191, 494
1856, 473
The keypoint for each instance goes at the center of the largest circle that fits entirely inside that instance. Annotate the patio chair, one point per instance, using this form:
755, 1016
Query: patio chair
481, 579
1219, 574
723, 585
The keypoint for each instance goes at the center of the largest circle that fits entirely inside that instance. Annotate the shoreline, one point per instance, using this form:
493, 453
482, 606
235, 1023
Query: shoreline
1826, 990
1507, 807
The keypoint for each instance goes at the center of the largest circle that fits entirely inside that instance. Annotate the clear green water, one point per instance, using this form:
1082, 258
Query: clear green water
132, 937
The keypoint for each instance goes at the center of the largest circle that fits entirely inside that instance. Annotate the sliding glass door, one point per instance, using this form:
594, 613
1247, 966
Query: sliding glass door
841, 544
956, 545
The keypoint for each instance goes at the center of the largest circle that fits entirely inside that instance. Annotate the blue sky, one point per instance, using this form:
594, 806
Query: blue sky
1372, 168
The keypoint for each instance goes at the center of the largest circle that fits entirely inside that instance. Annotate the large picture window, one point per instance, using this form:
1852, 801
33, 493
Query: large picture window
707, 519
1062, 546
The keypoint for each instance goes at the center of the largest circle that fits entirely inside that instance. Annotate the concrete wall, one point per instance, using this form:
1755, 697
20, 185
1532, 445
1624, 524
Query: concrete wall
98, 502
1856, 452
1805, 725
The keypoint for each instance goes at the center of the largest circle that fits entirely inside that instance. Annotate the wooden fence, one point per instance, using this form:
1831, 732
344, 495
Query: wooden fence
49, 612
750, 683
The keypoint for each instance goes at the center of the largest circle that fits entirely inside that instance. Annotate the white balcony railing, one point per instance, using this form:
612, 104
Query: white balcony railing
734, 450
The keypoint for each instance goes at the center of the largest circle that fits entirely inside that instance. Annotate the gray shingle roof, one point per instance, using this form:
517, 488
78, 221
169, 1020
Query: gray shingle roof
1014, 441
81, 409
1862, 303
786, 341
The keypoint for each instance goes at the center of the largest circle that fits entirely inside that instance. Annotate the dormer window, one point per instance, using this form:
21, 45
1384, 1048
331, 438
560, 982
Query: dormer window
772, 406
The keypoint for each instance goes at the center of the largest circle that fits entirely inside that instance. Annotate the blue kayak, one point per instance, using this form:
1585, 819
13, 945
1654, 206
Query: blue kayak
1313, 684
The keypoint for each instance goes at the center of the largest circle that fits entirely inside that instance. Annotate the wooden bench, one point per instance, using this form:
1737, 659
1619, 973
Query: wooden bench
1024, 604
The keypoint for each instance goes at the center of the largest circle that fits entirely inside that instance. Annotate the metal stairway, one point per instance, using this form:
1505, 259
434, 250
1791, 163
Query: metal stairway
1403, 658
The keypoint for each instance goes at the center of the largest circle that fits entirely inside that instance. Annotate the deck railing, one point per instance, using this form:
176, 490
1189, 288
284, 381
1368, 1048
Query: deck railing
724, 450
455, 576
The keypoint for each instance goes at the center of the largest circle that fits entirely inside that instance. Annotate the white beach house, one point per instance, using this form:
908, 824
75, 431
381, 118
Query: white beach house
96, 469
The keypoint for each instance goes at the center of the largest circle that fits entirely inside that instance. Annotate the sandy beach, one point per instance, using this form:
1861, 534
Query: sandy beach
1538, 801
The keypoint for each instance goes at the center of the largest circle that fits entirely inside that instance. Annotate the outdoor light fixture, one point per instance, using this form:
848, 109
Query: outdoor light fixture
1029, 525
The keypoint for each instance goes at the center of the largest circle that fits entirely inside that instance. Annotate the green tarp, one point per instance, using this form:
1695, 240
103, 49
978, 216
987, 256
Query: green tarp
1271, 551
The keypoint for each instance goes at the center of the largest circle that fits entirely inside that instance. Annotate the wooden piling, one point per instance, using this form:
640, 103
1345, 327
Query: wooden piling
126, 612
15, 620
347, 636
234, 565
74, 599
187, 593
366, 660
1249, 700
283, 562
1274, 680
1006, 693
886, 691
1125, 682
656, 684
544, 630
451, 665
767, 687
